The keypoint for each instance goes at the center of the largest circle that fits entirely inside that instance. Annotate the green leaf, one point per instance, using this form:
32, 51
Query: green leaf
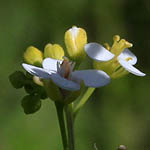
42, 93
31, 104
17, 79
30, 87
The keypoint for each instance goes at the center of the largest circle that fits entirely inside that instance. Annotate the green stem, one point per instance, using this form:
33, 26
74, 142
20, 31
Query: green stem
60, 114
70, 126
83, 100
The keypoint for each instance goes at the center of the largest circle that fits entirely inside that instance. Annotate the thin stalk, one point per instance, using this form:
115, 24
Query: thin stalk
70, 126
83, 100
60, 114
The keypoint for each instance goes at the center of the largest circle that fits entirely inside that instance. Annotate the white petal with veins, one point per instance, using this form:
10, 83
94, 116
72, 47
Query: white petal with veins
130, 68
50, 64
36, 71
64, 83
92, 78
128, 54
98, 52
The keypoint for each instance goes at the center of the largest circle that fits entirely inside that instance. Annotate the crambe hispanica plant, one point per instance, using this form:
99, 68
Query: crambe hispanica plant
69, 79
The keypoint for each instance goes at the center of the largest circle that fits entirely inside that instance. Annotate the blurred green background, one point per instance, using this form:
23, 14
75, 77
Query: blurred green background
116, 114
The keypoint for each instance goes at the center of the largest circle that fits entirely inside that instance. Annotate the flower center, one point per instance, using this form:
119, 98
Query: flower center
129, 58
65, 68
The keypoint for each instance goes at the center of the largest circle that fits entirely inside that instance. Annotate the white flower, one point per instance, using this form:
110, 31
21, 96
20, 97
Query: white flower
126, 59
60, 72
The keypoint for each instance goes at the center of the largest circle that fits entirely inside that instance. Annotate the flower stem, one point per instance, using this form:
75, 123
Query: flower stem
83, 100
70, 126
60, 114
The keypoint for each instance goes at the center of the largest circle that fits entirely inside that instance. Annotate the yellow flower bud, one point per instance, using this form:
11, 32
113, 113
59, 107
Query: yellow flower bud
33, 56
75, 40
54, 51
38, 81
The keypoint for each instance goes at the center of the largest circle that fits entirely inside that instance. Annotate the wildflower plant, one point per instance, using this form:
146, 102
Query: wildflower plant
70, 81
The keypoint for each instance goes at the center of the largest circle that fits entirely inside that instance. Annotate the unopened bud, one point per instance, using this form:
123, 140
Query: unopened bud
54, 51
75, 40
33, 56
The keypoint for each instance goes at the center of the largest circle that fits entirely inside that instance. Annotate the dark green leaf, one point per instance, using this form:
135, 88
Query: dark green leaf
31, 104
30, 87
17, 79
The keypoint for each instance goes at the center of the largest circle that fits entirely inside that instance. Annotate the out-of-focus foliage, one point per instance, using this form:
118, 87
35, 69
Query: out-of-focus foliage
116, 114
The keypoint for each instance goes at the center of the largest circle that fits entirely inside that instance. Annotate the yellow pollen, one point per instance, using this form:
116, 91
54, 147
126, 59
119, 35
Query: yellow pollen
128, 44
116, 38
129, 58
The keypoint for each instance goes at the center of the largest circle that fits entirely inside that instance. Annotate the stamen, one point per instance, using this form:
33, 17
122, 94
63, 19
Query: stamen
116, 38
129, 58
65, 68
107, 46
119, 45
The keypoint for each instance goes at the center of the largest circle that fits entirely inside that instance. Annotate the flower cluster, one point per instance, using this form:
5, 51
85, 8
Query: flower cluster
58, 76
58, 68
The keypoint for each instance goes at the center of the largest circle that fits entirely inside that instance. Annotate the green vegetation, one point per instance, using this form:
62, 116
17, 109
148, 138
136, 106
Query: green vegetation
116, 114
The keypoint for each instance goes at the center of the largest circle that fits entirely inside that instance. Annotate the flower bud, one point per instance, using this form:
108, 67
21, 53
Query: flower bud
33, 56
54, 51
75, 40
37, 80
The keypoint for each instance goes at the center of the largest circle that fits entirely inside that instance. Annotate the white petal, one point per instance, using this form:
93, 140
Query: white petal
36, 71
92, 78
64, 83
50, 64
128, 54
74, 31
98, 52
130, 68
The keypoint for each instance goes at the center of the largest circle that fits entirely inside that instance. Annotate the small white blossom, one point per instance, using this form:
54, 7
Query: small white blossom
60, 72
126, 59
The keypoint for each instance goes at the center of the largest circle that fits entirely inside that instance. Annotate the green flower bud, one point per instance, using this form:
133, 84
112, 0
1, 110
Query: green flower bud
17, 79
54, 51
33, 56
31, 104
75, 40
